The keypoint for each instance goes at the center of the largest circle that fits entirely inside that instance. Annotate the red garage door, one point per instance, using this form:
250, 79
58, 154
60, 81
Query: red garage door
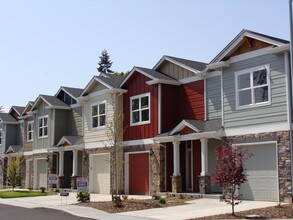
139, 174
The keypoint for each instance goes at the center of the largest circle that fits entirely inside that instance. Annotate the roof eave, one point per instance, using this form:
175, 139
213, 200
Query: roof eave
163, 81
279, 49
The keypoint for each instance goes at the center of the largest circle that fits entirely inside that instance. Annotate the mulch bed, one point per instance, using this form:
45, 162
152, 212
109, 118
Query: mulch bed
135, 204
277, 212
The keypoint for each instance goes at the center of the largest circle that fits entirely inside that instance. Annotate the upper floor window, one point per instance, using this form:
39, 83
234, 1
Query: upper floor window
43, 126
30, 131
253, 87
0, 137
99, 114
140, 109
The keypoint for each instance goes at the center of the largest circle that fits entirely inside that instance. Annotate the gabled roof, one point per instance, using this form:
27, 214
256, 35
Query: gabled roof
251, 34
52, 101
152, 74
18, 109
71, 140
14, 149
27, 108
7, 118
108, 80
73, 92
198, 126
191, 65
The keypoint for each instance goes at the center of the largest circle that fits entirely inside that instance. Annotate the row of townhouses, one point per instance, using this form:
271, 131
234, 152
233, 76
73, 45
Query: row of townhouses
175, 115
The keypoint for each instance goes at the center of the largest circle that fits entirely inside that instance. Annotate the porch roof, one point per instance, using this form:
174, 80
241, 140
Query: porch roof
201, 129
71, 140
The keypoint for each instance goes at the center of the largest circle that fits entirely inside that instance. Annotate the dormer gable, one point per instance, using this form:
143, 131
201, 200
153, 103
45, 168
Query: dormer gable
179, 68
104, 83
246, 41
68, 94
51, 102
16, 111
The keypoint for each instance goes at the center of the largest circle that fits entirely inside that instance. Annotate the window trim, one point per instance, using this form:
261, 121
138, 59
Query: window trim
91, 115
44, 136
32, 131
1, 136
250, 71
149, 108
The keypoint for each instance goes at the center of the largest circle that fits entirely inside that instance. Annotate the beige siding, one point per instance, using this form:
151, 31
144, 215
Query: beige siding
96, 134
175, 71
76, 121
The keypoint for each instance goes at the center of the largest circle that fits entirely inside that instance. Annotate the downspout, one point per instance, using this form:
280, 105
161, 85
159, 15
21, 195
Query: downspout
290, 82
222, 99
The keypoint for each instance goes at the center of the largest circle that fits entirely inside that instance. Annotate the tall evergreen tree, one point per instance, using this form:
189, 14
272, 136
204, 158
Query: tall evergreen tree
105, 63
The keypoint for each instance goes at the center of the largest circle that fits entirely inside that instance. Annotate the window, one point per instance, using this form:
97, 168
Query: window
43, 127
140, 109
99, 114
0, 137
253, 87
30, 131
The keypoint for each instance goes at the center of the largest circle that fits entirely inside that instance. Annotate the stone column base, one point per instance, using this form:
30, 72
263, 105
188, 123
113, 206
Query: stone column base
176, 184
204, 184
61, 180
73, 182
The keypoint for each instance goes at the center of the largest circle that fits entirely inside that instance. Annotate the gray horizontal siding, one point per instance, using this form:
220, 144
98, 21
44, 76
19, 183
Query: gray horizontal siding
41, 143
276, 112
11, 135
213, 97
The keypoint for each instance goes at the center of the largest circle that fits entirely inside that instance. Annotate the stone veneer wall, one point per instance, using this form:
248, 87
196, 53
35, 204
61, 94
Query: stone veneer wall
284, 157
3, 166
157, 165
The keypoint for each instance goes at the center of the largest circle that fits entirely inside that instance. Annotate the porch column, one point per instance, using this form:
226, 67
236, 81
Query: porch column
204, 178
74, 163
61, 163
176, 178
176, 156
204, 156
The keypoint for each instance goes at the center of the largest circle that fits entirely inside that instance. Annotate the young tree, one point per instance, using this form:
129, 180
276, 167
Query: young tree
229, 172
13, 172
105, 63
115, 131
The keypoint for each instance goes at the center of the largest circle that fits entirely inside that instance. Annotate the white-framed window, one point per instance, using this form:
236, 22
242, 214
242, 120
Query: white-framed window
140, 109
1, 137
98, 115
43, 126
30, 131
253, 87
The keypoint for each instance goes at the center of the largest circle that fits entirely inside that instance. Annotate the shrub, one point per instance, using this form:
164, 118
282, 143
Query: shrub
162, 201
43, 189
83, 197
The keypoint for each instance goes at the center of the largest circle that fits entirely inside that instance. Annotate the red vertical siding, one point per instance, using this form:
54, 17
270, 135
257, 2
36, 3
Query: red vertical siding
170, 107
136, 85
192, 106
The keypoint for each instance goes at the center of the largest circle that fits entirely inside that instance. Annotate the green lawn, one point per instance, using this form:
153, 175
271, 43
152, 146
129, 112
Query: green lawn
15, 194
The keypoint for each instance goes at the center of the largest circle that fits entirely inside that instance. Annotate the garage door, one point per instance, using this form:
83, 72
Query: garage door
262, 175
139, 174
101, 174
41, 173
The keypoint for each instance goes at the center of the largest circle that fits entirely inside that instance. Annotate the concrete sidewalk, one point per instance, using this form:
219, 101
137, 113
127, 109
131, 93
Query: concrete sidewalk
194, 208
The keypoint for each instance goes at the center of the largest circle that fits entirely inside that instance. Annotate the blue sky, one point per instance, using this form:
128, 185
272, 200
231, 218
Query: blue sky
45, 44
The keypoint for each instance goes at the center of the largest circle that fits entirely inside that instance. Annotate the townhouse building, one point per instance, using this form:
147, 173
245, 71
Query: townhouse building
175, 115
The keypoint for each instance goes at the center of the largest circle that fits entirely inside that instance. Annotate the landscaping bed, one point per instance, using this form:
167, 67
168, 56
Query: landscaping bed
276, 212
135, 204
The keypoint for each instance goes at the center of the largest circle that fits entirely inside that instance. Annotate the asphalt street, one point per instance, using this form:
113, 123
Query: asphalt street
8, 212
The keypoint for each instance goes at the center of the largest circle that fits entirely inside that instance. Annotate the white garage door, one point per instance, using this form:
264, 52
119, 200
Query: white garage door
262, 175
101, 174
41, 173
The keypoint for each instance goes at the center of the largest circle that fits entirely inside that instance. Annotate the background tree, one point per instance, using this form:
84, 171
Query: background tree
122, 73
13, 172
229, 172
105, 63
1, 108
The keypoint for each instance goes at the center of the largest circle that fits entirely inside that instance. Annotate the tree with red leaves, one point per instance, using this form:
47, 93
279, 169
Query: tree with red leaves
229, 171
